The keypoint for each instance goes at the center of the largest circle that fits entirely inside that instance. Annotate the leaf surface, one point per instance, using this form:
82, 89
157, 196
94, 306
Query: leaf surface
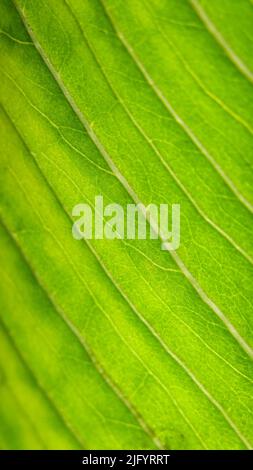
117, 343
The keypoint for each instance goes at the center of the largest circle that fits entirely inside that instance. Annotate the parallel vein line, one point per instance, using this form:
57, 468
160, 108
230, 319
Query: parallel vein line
210, 26
238, 118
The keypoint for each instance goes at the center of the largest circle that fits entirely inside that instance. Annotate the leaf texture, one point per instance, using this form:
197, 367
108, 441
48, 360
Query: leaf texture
117, 343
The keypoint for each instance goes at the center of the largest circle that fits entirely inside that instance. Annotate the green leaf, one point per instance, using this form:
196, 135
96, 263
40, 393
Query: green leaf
117, 343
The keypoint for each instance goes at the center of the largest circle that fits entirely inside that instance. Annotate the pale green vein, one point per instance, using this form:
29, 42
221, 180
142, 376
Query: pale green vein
197, 79
58, 128
24, 43
15, 239
210, 26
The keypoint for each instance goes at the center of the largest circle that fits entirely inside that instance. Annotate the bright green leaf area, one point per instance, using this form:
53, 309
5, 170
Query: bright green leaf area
116, 344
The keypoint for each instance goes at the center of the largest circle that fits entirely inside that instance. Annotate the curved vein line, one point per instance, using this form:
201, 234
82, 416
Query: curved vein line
177, 118
160, 156
54, 125
24, 43
176, 258
210, 26
38, 384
